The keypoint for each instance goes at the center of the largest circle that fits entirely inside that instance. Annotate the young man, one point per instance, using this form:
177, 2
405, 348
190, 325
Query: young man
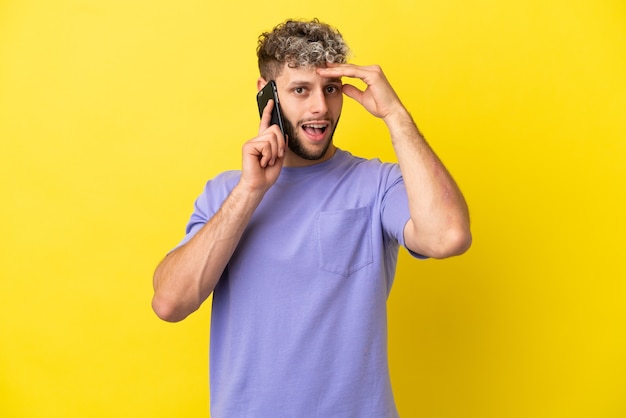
299, 247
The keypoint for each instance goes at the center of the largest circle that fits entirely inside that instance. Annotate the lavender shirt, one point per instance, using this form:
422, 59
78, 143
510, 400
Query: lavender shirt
299, 320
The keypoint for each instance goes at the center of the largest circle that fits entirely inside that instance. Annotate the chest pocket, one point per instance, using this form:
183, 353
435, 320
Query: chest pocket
345, 240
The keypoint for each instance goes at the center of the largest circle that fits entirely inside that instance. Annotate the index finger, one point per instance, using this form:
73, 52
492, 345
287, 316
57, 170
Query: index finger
338, 70
350, 70
266, 116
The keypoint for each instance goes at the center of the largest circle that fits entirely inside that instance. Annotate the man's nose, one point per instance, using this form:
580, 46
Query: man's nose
318, 102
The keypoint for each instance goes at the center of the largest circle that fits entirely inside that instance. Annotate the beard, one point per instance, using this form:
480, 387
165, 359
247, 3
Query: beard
296, 145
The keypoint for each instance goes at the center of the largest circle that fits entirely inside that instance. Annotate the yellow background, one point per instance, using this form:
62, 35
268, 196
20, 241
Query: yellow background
114, 113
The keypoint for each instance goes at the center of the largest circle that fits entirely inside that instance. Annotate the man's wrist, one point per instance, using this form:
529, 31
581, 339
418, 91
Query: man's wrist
245, 192
399, 116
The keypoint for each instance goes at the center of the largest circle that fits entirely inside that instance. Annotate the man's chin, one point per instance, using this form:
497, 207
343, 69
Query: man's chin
310, 153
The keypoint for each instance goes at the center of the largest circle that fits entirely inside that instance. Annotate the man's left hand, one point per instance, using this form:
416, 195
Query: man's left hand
378, 98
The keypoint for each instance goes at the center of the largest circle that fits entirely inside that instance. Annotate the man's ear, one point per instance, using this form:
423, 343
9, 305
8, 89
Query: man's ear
260, 83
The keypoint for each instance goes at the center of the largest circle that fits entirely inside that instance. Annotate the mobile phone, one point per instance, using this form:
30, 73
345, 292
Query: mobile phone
263, 96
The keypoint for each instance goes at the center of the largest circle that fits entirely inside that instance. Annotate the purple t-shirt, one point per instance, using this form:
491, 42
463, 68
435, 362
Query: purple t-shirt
299, 322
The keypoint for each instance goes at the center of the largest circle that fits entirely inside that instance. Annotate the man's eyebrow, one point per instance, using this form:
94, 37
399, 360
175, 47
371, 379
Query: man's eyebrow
334, 80
300, 83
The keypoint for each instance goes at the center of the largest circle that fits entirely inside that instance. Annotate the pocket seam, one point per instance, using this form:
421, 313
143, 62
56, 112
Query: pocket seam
336, 225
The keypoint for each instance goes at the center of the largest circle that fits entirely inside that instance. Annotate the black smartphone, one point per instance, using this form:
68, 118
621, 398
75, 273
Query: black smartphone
263, 96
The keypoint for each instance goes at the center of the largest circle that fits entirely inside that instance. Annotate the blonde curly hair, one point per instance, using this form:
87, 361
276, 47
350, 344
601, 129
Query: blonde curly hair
299, 43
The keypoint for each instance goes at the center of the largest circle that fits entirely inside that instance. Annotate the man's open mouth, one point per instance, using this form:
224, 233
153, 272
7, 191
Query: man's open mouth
315, 129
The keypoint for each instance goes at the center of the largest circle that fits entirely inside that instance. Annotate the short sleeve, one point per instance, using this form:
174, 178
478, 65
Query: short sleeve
208, 203
395, 208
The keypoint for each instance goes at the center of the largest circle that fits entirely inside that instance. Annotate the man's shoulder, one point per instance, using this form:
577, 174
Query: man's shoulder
228, 175
370, 165
219, 186
227, 178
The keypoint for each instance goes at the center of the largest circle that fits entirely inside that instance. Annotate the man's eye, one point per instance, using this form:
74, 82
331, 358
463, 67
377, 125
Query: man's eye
331, 89
299, 90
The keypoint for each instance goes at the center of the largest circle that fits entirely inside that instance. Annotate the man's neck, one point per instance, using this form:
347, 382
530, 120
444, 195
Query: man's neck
293, 160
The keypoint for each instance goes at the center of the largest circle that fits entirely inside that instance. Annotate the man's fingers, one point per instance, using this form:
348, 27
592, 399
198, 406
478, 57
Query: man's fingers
273, 143
267, 147
266, 116
352, 92
266, 154
350, 70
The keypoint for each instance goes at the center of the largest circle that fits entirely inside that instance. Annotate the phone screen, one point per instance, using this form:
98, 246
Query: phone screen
263, 96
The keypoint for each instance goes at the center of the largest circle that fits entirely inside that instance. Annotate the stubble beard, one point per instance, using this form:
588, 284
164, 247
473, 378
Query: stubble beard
296, 145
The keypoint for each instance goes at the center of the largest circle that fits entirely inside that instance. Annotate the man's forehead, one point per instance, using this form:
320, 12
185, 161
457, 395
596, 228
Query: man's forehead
304, 75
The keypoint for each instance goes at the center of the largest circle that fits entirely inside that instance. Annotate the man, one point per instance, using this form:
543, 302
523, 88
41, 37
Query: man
299, 247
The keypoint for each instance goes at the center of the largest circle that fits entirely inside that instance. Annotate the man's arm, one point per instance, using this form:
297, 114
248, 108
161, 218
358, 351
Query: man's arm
188, 275
439, 226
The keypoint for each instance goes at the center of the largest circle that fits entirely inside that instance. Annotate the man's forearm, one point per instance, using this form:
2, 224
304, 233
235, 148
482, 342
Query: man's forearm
188, 275
439, 225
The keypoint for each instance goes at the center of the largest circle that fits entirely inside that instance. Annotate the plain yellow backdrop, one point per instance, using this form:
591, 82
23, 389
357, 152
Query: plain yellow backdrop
114, 113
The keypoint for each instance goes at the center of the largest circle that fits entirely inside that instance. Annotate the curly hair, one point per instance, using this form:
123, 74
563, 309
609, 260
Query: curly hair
299, 44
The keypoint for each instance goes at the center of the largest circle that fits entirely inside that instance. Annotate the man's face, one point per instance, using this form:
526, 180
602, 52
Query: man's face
311, 106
